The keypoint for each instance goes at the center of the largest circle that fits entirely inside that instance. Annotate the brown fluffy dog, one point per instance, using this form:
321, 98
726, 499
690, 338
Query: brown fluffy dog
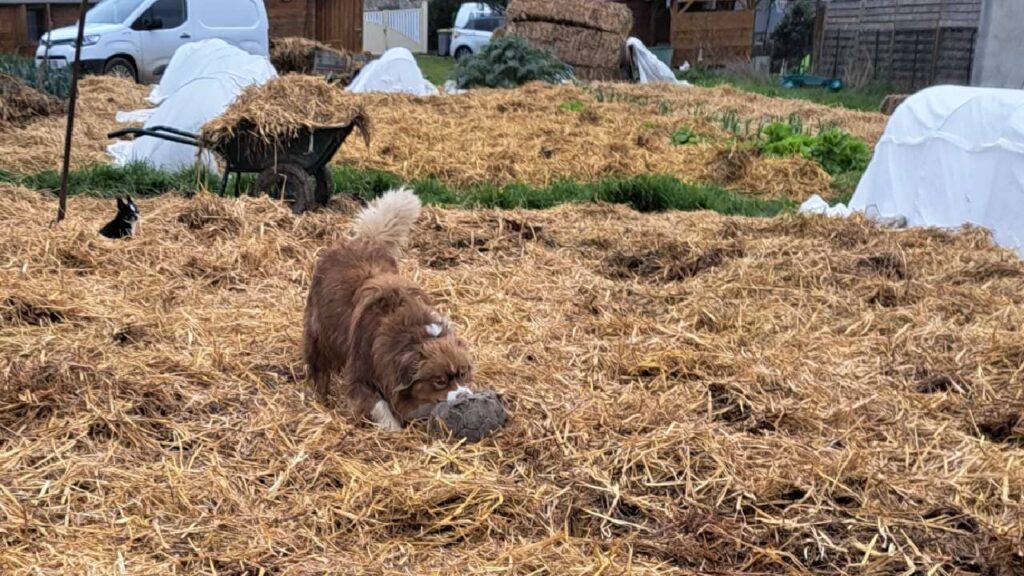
398, 354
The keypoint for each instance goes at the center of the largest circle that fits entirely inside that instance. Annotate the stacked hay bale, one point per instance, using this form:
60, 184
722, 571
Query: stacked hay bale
21, 103
589, 35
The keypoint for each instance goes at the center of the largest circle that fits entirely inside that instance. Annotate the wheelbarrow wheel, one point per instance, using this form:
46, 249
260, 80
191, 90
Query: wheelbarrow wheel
324, 186
290, 183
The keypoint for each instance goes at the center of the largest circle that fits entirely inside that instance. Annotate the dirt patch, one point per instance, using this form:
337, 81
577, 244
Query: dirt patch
20, 103
669, 263
1004, 426
15, 310
732, 165
889, 264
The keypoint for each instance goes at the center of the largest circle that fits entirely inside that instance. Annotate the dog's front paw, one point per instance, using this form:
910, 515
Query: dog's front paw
384, 418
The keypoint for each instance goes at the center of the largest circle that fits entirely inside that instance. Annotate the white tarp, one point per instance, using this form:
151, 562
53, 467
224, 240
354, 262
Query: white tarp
952, 156
650, 68
202, 79
396, 71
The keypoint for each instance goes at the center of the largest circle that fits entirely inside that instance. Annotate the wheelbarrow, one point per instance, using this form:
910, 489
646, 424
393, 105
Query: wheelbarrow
294, 170
808, 80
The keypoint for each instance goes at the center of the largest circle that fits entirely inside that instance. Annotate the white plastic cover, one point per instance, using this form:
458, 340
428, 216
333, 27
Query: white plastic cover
650, 67
952, 156
202, 79
213, 58
396, 71
817, 205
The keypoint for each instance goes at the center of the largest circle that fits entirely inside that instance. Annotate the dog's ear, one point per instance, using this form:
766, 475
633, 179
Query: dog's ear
120, 203
128, 200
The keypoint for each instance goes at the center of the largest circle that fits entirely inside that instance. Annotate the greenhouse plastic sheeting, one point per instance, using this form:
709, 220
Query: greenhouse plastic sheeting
202, 79
952, 156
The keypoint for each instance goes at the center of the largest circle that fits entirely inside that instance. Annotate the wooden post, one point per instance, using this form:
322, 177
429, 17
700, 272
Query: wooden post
44, 71
75, 71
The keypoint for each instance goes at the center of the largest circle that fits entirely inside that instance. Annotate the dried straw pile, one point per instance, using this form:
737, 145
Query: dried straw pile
589, 35
277, 110
40, 144
298, 55
21, 103
690, 394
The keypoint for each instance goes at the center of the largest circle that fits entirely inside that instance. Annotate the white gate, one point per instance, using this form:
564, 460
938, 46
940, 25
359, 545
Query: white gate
386, 29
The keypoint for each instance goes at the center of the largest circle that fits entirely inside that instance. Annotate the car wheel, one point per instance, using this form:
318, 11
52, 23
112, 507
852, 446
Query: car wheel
463, 52
119, 66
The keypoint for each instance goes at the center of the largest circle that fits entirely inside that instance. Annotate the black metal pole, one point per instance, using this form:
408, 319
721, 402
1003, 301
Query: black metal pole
75, 70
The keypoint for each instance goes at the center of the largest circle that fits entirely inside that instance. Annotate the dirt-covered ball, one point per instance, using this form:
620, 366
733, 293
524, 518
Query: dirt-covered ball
472, 417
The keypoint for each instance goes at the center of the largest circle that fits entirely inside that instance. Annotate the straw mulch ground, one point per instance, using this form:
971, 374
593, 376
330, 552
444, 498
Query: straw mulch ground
537, 134
40, 144
533, 135
690, 394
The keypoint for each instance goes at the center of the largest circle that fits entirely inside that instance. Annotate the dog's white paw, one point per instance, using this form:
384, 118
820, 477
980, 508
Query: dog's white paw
384, 418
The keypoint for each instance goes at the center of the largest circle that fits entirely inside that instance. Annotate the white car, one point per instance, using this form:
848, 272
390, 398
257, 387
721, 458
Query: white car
137, 38
475, 24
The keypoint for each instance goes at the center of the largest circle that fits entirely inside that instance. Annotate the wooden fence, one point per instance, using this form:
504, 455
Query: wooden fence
908, 43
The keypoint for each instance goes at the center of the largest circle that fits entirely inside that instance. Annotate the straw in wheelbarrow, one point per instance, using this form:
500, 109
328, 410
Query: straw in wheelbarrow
278, 110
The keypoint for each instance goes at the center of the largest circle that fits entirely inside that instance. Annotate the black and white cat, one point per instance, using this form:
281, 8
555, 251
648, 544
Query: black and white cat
125, 223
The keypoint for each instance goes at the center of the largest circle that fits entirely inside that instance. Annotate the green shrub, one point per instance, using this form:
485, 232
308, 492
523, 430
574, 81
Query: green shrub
794, 35
509, 62
838, 152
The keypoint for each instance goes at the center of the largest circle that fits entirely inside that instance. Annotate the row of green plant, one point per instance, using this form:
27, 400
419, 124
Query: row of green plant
646, 193
53, 81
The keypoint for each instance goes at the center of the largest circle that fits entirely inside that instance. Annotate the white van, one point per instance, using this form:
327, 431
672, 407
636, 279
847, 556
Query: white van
136, 38
475, 23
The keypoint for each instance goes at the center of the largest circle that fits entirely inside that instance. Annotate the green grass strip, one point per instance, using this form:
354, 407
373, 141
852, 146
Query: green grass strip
645, 193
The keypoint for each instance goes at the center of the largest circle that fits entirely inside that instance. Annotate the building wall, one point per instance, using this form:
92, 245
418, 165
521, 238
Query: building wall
335, 22
12, 28
999, 61
290, 17
907, 43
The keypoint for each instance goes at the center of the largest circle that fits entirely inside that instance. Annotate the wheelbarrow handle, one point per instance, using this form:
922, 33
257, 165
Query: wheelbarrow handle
175, 131
185, 138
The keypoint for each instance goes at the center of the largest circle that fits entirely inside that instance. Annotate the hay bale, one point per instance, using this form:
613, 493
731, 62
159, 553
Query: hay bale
277, 110
591, 14
21, 103
581, 47
598, 74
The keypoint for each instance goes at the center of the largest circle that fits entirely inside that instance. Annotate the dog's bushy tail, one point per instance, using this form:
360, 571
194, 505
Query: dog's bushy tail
389, 219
